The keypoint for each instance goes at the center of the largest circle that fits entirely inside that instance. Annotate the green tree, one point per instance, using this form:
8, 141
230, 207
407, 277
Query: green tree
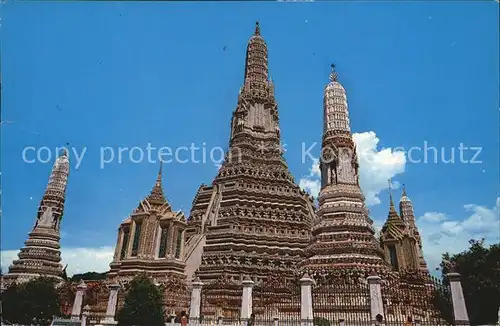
10, 309
479, 267
143, 304
318, 321
33, 302
88, 276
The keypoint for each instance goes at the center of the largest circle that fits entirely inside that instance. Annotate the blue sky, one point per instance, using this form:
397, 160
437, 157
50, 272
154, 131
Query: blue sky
128, 74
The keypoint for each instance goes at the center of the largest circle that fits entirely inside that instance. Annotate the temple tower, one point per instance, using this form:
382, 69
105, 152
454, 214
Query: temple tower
399, 242
254, 219
150, 240
343, 236
41, 254
407, 214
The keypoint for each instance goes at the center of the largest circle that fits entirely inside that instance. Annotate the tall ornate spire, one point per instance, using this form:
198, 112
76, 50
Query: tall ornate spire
399, 241
408, 215
343, 235
41, 255
336, 114
257, 111
256, 68
253, 190
55, 193
340, 164
406, 209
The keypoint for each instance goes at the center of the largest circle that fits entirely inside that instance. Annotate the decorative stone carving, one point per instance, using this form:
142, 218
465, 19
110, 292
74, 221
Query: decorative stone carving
158, 232
41, 256
400, 245
342, 231
408, 216
47, 218
263, 219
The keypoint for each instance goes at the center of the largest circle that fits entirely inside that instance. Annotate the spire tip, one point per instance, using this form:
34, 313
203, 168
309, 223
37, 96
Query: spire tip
157, 191
257, 28
65, 150
333, 74
391, 202
160, 173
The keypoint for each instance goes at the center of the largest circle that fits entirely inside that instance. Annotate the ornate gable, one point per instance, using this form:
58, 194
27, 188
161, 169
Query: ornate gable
155, 201
394, 227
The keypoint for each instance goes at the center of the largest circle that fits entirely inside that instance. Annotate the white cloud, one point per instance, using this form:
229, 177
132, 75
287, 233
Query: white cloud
376, 166
314, 171
312, 183
433, 217
79, 260
442, 233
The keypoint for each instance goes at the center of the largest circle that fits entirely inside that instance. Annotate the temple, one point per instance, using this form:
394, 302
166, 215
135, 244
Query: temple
253, 223
400, 238
151, 241
41, 255
343, 236
408, 215
253, 219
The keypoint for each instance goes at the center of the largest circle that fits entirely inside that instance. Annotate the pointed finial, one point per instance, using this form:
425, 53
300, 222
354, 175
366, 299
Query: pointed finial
197, 282
157, 191
404, 191
81, 286
257, 28
65, 151
390, 193
160, 172
333, 74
